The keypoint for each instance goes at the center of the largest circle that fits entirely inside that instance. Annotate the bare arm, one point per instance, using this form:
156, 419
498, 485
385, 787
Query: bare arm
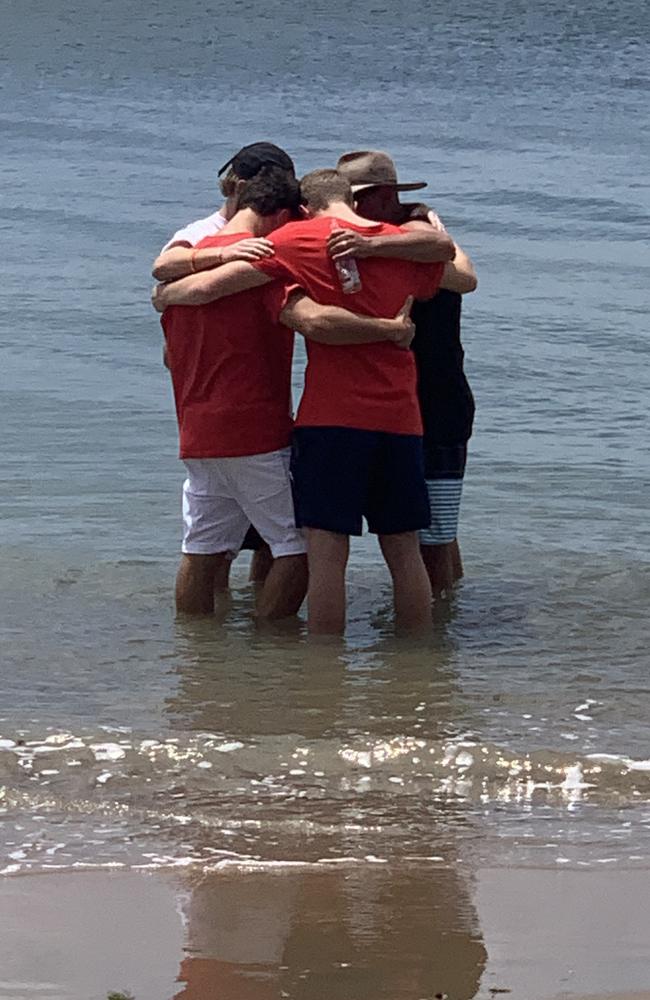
459, 275
167, 261
332, 325
197, 289
418, 241
419, 212
182, 259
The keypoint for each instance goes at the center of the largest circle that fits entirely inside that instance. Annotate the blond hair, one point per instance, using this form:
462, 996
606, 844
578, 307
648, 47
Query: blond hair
320, 188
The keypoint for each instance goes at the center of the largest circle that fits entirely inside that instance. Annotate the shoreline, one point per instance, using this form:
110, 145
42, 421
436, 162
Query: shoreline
526, 934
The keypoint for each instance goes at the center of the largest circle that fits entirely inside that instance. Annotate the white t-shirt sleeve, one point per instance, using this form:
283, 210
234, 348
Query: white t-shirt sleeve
197, 231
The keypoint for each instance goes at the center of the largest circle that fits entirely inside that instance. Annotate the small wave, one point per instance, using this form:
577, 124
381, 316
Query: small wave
133, 769
112, 799
243, 865
62, 759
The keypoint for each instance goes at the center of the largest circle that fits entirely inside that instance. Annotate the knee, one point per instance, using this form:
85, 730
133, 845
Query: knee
327, 549
294, 567
400, 550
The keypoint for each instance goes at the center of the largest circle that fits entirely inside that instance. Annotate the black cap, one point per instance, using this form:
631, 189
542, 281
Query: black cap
250, 160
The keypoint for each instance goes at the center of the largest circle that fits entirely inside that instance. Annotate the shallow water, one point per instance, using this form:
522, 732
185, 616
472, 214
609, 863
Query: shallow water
518, 734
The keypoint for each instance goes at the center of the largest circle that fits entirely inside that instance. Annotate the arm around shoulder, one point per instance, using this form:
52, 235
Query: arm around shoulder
418, 241
334, 325
207, 286
172, 262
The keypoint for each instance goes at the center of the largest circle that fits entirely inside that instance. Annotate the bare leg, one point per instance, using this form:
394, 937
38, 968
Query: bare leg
222, 576
328, 557
411, 587
444, 566
456, 561
195, 582
260, 564
284, 588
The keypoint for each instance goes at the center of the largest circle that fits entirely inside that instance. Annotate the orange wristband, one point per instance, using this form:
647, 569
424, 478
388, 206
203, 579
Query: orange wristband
193, 267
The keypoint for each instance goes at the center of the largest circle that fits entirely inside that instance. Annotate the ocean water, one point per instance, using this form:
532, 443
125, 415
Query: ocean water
518, 734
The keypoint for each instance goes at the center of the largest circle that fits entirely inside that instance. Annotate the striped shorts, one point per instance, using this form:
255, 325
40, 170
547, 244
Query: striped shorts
445, 468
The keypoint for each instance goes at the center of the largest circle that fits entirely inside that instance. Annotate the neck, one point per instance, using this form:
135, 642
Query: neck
248, 221
340, 210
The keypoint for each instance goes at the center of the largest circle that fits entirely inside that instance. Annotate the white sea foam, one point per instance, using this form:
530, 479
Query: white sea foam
107, 751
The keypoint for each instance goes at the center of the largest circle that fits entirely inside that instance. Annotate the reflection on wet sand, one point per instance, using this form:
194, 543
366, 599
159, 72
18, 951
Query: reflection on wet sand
353, 926
363, 934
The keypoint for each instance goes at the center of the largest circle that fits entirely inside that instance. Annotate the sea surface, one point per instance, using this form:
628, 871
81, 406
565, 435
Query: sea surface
518, 734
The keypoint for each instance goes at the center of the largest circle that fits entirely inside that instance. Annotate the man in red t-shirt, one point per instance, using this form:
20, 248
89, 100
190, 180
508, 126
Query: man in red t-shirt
230, 363
357, 447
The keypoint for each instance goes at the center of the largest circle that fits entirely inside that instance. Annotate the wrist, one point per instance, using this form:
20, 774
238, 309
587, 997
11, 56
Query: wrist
369, 246
203, 260
390, 329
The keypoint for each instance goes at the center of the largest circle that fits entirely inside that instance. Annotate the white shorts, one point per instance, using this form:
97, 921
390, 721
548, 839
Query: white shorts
223, 496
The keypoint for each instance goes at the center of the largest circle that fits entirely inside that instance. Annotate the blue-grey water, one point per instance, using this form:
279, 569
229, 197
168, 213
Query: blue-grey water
516, 736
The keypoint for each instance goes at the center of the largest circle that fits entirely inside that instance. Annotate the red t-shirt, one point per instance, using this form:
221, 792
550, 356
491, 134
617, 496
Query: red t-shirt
230, 363
366, 386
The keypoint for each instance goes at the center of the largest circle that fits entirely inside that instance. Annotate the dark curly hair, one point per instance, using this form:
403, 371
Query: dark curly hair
271, 190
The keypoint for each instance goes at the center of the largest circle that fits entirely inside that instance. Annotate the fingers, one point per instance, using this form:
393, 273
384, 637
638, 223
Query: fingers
341, 243
405, 340
252, 249
406, 308
339, 252
337, 232
436, 221
252, 253
260, 245
344, 247
255, 241
157, 298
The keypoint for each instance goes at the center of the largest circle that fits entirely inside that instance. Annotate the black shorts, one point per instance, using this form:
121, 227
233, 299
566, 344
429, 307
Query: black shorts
253, 540
341, 475
444, 461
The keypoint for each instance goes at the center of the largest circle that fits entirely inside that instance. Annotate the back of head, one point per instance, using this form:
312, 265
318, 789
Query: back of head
248, 162
322, 188
270, 191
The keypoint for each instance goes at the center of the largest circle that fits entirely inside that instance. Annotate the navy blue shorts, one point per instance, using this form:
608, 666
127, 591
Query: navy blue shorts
341, 475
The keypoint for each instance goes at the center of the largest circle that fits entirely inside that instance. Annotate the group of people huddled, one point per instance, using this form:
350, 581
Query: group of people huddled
374, 286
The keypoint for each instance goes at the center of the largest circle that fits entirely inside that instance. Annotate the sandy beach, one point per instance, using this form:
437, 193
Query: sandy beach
539, 935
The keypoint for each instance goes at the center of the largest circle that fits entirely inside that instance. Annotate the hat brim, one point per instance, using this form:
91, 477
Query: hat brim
413, 186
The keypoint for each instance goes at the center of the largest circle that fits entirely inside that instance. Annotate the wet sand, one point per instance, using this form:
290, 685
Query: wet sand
350, 935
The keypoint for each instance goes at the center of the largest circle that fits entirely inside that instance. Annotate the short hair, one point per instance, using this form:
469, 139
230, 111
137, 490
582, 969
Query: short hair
269, 191
228, 184
321, 187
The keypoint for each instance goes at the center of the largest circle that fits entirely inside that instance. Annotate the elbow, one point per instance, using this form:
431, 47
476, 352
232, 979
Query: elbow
463, 284
309, 324
316, 327
446, 248
460, 281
